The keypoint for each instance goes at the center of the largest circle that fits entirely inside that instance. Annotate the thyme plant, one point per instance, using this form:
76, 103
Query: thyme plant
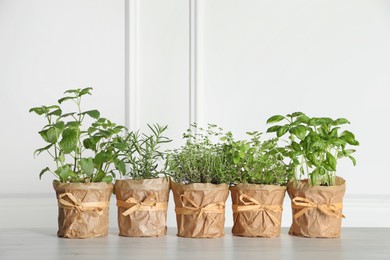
202, 159
68, 138
315, 145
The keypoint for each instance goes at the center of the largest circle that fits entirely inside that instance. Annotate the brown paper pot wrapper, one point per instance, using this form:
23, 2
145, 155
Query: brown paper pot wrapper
142, 207
83, 209
200, 209
317, 210
257, 210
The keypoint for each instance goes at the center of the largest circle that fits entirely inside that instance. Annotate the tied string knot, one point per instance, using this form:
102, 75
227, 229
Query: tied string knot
251, 204
69, 201
304, 205
195, 209
148, 204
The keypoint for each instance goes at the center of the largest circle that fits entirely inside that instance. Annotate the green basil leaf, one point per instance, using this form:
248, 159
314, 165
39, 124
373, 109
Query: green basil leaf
299, 131
275, 119
331, 160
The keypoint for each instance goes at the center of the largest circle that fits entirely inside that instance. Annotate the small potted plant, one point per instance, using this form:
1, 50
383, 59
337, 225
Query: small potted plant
258, 177
199, 173
314, 147
142, 198
83, 178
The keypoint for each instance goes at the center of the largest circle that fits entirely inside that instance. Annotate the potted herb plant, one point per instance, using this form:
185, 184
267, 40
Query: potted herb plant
83, 178
314, 147
142, 198
199, 173
258, 177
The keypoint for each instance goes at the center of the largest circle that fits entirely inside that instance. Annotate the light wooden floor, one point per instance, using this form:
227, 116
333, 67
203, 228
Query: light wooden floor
355, 243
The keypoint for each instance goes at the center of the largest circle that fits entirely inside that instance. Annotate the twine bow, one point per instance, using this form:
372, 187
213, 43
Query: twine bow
149, 204
73, 203
333, 210
252, 204
217, 208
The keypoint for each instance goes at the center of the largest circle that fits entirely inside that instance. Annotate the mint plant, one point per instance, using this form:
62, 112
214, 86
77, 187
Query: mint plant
255, 161
142, 153
202, 158
314, 145
68, 140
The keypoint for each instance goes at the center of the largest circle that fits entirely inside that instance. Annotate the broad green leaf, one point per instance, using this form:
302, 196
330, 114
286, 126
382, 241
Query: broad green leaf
69, 140
325, 121
102, 157
334, 132
107, 179
73, 124
56, 112
89, 144
92, 113
43, 134
282, 130
326, 165
85, 91
273, 128
37, 110
313, 159
120, 166
331, 160
340, 121
296, 146
313, 177
349, 151
53, 135
303, 119
323, 131
43, 171
337, 141
99, 176
68, 114
65, 172
275, 119
87, 166
242, 154
61, 158
40, 150
295, 114
299, 131
61, 100
77, 90
60, 125
352, 159
349, 138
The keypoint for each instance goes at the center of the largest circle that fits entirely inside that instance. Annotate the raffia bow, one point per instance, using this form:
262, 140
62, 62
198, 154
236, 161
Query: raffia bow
149, 204
252, 204
333, 210
73, 203
216, 208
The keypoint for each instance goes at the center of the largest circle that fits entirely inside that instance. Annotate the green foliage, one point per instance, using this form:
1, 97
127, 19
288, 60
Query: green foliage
142, 153
202, 159
314, 146
255, 161
68, 141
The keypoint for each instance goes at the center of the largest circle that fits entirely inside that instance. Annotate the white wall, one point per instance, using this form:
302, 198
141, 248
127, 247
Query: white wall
235, 64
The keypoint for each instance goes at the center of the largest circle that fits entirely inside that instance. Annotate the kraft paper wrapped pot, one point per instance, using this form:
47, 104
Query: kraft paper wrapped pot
317, 210
257, 209
83, 209
142, 207
200, 209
